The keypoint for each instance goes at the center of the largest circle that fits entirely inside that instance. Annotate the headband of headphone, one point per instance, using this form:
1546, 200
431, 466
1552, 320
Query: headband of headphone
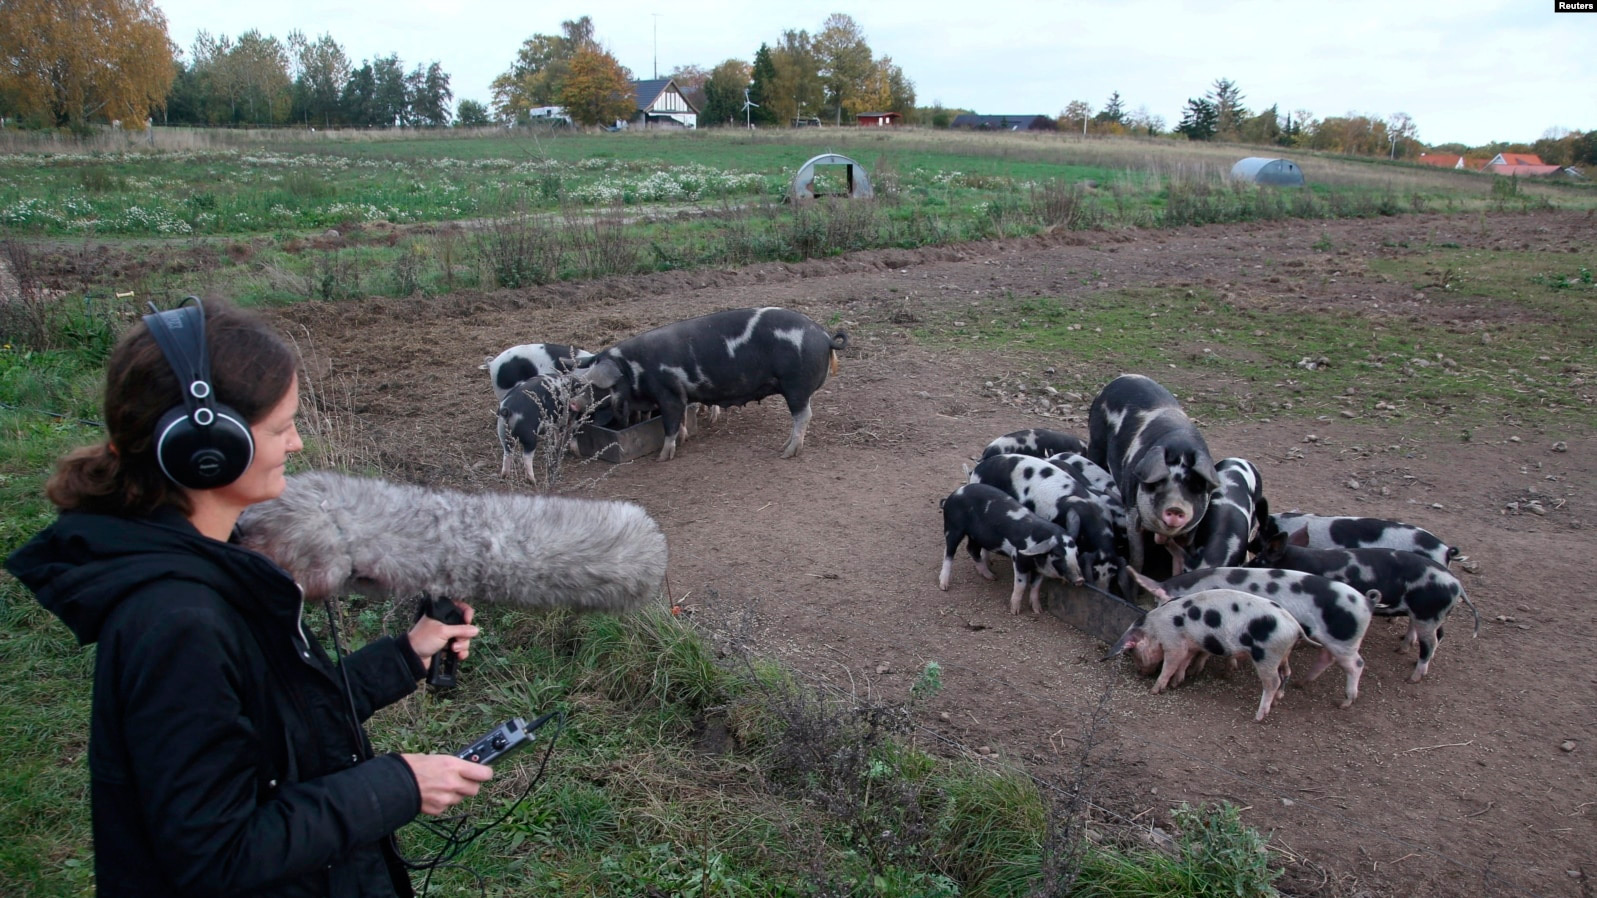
201, 444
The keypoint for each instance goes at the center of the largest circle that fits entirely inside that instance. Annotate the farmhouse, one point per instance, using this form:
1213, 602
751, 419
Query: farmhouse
974, 122
661, 104
878, 119
1520, 164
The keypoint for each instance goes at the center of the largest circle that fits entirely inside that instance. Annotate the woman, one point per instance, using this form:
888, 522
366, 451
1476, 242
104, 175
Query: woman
225, 756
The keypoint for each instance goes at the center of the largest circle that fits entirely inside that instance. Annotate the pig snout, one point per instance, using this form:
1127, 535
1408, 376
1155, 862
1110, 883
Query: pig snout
1175, 517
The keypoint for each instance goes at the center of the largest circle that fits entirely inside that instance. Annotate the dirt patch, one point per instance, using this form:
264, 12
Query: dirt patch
1459, 785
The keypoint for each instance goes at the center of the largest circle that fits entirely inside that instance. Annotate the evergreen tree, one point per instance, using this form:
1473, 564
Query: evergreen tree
1199, 119
1114, 111
471, 114
762, 88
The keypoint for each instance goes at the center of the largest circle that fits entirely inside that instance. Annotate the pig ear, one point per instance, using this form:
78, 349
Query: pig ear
1154, 587
1152, 468
1042, 547
603, 375
1203, 466
1128, 640
1300, 538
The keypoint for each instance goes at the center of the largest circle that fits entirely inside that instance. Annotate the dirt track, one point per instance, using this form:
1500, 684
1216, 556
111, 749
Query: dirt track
1457, 785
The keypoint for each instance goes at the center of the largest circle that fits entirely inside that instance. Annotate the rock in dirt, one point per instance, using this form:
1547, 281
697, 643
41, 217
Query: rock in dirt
1569, 745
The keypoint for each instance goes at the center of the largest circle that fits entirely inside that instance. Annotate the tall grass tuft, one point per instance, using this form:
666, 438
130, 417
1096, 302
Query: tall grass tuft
517, 249
600, 244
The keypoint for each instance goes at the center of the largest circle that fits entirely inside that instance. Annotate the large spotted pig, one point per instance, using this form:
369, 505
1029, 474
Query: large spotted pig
723, 359
1342, 532
1407, 583
1139, 434
1236, 508
1038, 442
1222, 622
1332, 614
990, 522
518, 363
1055, 495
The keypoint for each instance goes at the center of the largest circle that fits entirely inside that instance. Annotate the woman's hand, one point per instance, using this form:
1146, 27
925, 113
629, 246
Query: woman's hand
446, 780
429, 637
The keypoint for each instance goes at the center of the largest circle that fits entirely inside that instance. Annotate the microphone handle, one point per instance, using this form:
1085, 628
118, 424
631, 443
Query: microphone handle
441, 674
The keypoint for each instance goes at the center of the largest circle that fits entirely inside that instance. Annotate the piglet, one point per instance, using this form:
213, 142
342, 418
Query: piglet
1408, 584
1038, 442
1231, 525
1342, 532
989, 522
1222, 622
524, 413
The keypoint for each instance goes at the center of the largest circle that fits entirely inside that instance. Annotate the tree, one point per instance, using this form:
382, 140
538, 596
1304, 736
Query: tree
257, 66
471, 114
538, 75
887, 89
723, 93
427, 94
796, 90
323, 71
845, 60
597, 89
1076, 111
1199, 119
1229, 112
762, 82
1113, 113
357, 99
72, 61
1400, 134
1264, 128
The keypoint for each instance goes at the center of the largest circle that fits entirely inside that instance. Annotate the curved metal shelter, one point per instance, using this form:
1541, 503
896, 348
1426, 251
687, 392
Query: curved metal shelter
859, 183
1265, 170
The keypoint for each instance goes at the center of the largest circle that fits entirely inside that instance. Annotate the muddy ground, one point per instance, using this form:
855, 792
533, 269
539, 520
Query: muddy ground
1477, 781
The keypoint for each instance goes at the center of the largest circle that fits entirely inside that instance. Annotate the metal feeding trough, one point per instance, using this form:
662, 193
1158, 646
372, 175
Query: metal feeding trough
1090, 611
603, 437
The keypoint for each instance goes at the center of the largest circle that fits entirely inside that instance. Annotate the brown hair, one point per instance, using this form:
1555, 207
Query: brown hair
252, 367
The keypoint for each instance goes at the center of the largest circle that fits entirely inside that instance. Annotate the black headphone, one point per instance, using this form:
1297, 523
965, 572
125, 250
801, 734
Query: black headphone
200, 444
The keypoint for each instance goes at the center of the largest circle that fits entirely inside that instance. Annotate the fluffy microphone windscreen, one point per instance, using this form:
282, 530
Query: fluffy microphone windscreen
336, 533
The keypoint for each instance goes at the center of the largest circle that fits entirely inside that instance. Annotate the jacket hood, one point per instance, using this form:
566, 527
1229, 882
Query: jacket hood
84, 565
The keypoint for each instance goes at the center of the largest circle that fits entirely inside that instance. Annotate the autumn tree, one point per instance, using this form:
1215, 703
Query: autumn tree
597, 89
538, 75
845, 64
796, 89
69, 62
1400, 134
1229, 113
1077, 112
888, 89
723, 93
690, 81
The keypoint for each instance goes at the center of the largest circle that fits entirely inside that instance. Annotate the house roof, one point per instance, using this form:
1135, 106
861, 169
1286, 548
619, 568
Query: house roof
646, 92
1001, 122
1518, 159
1440, 160
1524, 169
877, 114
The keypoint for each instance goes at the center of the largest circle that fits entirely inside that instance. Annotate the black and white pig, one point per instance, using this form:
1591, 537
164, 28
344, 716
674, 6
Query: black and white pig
1038, 442
522, 413
1139, 434
1333, 614
1089, 473
989, 521
1407, 583
1237, 509
722, 359
1055, 495
518, 363
1222, 622
1341, 532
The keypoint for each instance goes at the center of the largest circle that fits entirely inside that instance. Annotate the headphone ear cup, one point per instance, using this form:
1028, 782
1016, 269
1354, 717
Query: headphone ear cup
202, 458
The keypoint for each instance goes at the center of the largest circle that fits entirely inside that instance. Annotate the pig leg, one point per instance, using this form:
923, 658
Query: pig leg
1354, 665
981, 565
1270, 678
529, 463
1134, 547
1175, 665
801, 423
1019, 592
1429, 636
504, 446
671, 416
1036, 594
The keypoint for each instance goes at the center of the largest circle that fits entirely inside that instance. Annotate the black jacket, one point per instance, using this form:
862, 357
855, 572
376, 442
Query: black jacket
222, 756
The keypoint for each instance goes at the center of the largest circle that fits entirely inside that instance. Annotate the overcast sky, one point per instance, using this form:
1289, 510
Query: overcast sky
1469, 71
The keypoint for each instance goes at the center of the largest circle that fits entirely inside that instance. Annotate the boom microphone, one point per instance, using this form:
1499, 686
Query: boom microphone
337, 534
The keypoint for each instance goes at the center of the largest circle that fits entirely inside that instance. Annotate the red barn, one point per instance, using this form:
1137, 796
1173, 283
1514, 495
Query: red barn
875, 119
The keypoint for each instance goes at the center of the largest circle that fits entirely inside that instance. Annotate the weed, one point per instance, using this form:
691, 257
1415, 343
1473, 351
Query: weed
1324, 244
409, 266
600, 244
517, 249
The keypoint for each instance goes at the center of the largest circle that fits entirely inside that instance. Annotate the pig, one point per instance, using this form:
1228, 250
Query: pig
1231, 525
522, 411
1139, 434
723, 359
1055, 495
989, 522
1327, 532
518, 363
1331, 613
1222, 622
1407, 583
1038, 442
1082, 468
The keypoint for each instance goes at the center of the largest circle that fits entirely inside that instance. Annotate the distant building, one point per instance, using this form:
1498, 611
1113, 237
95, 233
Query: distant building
548, 115
878, 119
1264, 170
661, 104
973, 122
1520, 165
1441, 160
